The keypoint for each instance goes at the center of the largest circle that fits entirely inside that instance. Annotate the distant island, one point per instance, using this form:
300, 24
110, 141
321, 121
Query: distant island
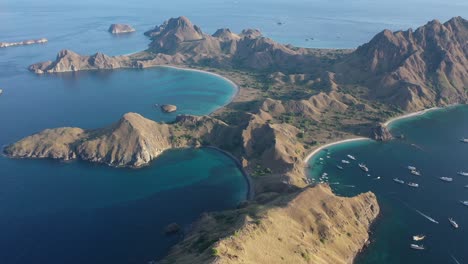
22, 43
120, 29
291, 101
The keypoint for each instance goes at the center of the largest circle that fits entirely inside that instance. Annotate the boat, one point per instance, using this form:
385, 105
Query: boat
464, 140
1, 91
466, 186
412, 184
415, 172
464, 202
378, 178
345, 161
324, 174
321, 159
462, 173
427, 217
454, 224
446, 179
418, 237
328, 157
417, 247
411, 168
399, 181
363, 167
339, 167
351, 157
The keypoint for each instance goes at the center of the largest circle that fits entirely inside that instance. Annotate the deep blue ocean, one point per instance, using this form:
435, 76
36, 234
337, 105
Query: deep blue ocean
431, 144
77, 212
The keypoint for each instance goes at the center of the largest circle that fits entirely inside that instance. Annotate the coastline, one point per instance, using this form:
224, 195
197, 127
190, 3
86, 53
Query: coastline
317, 150
233, 84
250, 186
413, 114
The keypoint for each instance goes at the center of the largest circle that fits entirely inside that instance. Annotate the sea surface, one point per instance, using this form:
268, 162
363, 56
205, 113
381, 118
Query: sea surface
77, 212
431, 144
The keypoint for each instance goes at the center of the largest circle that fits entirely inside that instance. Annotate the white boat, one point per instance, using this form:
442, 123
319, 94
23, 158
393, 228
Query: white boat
324, 174
418, 247
1, 91
411, 168
351, 157
363, 167
462, 173
399, 181
321, 159
464, 140
412, 184
378, 178
415, 172
464, 202
446, 179
339, 167
418, 237
454, 224
466, 186
328, 157
345, 161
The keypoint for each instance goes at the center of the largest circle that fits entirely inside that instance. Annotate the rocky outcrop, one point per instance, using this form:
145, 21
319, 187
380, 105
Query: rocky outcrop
22, 43
310, 226
413, 69
381, 133
69, 61
168, 108
120, 29
133, 141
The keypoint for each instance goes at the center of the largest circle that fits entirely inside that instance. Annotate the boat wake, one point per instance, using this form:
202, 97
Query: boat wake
455, 260
426, 216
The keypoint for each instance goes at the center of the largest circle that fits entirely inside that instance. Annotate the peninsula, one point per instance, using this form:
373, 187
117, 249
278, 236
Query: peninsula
22, 43
291, 100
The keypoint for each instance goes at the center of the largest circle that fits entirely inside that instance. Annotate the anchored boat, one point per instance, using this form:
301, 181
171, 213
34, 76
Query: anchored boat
418, 237
363, 167
454, 224
417, 247
399, 181
446, 179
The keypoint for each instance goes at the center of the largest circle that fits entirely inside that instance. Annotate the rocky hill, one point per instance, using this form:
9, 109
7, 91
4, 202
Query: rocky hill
69, 61
413, 69
131, 142
310, 226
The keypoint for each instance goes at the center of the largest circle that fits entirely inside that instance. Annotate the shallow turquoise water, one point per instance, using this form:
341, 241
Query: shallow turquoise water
432, 145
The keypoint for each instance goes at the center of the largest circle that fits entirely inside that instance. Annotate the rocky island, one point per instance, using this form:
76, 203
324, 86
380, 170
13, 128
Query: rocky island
289, 102
22, 43
120, 29
168, 108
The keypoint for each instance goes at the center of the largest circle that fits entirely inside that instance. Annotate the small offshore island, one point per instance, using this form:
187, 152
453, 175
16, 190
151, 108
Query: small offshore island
290, 101
23, 43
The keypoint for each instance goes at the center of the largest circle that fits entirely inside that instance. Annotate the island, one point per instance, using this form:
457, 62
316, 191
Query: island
23, 43
120, 29
291, 101
168, 108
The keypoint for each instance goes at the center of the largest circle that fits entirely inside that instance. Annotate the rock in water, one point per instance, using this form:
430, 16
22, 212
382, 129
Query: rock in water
381, 133
172, 229
169, 108
120, 29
